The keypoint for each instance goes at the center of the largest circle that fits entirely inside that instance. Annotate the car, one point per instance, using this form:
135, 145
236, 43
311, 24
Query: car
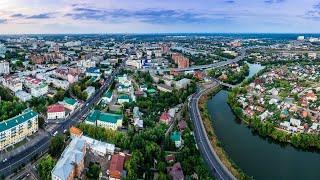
55, 133
5, 160
64, 131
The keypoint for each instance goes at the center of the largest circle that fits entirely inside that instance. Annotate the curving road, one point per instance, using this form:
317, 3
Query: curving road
215, 166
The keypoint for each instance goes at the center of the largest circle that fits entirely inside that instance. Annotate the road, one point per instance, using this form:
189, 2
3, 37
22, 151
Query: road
215, 166
214, 65
21, 159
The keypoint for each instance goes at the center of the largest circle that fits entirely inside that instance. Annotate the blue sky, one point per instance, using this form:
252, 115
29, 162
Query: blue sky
158, 16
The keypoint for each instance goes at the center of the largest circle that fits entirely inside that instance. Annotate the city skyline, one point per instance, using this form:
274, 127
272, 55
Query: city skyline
150, 16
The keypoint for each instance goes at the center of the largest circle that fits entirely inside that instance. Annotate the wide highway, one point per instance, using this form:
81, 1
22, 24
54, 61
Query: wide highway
209, 155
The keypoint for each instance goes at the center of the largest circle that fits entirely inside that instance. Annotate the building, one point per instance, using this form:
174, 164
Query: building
180, 60
12, 82
23, 96
164, 88
176, 172
36, 86
107, 96
300, 38
97, 147
93, 72
4, 67
56, 111
16, 129
116, 167
71, 163
70, 103
183, 83
123, 98
3, 50
176, 138
106, 120
312, 55
90, 91
165, 118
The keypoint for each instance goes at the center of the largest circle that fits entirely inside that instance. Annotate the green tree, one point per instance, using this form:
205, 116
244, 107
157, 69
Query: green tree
45, 167
56, 146
93, 172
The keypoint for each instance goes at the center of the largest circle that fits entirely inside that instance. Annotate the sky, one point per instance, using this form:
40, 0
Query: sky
159, 16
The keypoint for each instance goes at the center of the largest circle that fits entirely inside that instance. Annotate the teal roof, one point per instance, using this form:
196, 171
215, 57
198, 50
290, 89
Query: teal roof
25, 116
176, 136
123, 96
101, 116
70, 101
151, 90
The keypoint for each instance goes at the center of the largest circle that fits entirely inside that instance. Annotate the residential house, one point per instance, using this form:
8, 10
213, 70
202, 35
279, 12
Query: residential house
176, 172
176, 138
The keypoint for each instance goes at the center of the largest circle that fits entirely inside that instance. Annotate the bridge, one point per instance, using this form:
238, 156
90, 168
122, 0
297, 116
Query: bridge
209, 66
226, 84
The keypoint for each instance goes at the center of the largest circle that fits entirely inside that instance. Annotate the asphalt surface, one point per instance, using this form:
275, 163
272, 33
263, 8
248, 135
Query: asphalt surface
214, 164
21, 159
214, 65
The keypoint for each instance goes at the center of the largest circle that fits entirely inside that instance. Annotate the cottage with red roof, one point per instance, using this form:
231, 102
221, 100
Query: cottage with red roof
56, 111
176, 172
165, 118
115, 170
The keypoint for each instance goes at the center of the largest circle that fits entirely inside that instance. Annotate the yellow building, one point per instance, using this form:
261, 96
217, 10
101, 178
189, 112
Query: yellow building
18, 128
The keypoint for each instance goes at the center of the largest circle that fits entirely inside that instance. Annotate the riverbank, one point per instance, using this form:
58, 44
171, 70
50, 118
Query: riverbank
216, 144
267, 129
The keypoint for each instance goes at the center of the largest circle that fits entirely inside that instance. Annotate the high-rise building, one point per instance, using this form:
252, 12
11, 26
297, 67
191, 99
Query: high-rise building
3, 50
4, 67
179, 59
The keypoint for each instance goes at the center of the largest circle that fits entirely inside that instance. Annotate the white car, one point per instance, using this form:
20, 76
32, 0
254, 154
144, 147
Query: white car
5, 160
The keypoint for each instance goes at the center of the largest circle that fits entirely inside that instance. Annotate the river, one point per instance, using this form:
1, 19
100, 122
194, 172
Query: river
256, 156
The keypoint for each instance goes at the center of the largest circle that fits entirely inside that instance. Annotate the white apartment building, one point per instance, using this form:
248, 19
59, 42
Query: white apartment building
11, 82
23, 96
4, 67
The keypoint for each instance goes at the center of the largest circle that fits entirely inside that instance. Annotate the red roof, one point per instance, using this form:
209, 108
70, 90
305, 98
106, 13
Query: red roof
165, 117
116, 166
55, 108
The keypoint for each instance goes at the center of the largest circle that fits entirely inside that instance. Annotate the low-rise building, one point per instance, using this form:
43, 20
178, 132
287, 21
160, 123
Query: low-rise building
176, 172
93, 72
107, 96
164, 88
70, 103
106, 120
176, 138
165, 118
16, 129
12, 82
116, 167
56, 111
23, 96
183, 83
90, 91
123, 98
